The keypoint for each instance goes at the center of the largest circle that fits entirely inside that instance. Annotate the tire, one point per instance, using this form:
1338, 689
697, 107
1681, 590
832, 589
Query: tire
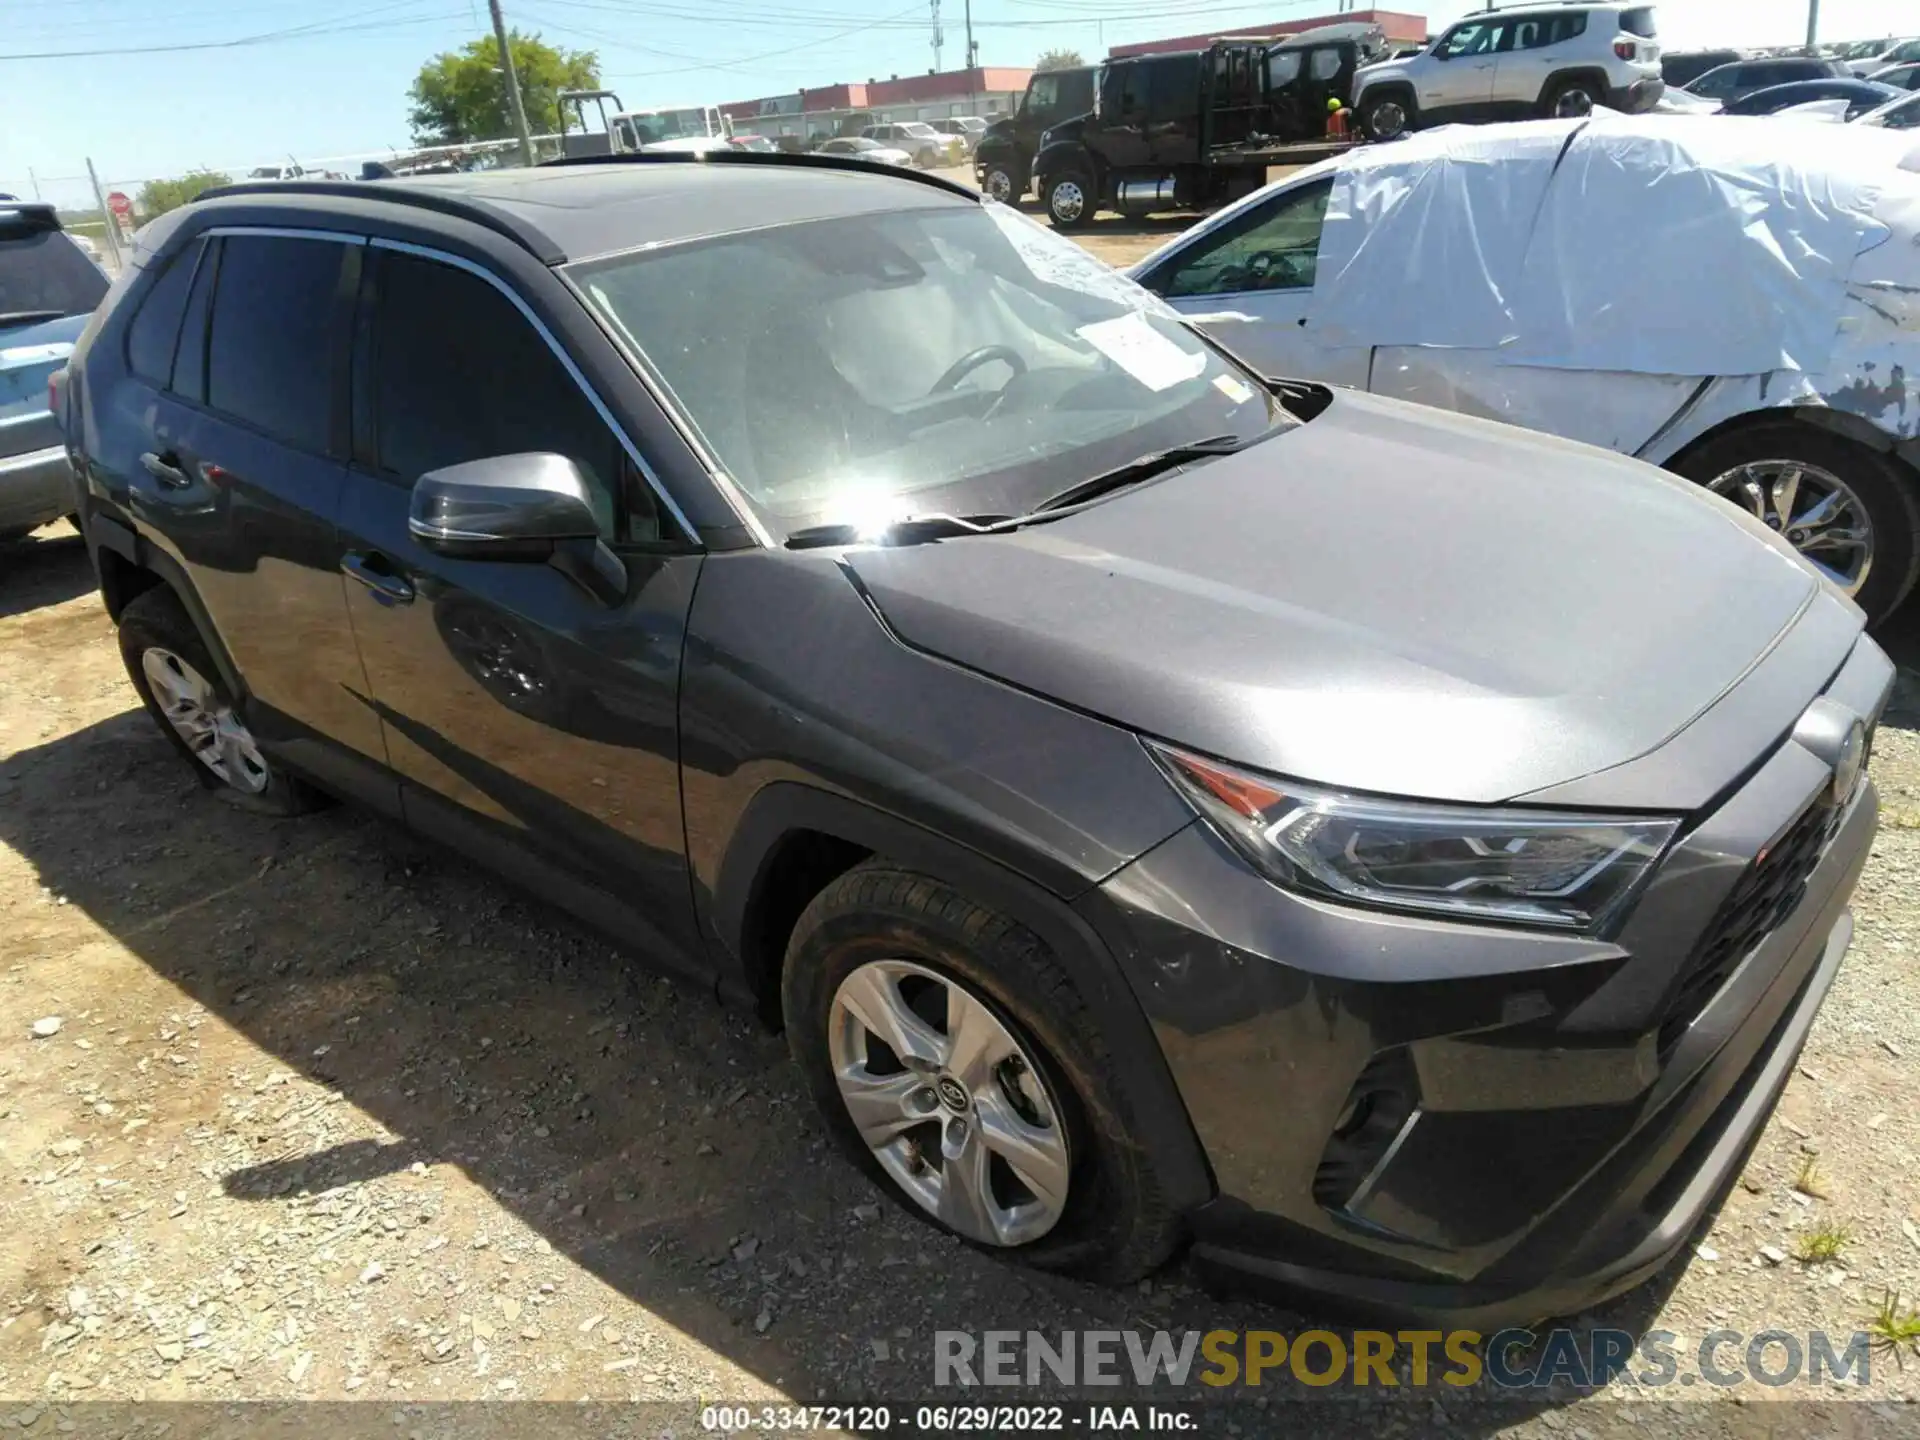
1001, 184
1112, 1225
1388, 116
1596, 95
1885, 492
18, 532
156, 629
1070, 201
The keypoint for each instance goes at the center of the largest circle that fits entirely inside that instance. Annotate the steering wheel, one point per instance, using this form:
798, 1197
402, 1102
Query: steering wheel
973, 360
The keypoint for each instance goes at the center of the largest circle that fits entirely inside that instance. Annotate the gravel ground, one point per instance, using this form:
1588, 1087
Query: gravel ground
308, 1110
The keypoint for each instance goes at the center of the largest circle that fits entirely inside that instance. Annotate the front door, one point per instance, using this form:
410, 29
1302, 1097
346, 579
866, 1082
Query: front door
1462, 82
242, 477
1249, 284
529, 722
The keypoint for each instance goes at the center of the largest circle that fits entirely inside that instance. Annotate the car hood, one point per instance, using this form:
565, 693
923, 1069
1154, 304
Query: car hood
1388, 598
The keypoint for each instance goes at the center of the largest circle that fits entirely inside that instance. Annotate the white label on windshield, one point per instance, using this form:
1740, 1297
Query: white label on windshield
1143, 352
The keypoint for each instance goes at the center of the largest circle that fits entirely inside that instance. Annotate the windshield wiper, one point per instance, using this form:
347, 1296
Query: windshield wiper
1142, 467
909, 530
22, 317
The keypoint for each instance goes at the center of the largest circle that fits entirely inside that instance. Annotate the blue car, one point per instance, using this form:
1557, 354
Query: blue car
48, 289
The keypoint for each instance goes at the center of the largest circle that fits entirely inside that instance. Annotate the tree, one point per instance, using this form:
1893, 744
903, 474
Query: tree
159, 196
1058, 60
460, 96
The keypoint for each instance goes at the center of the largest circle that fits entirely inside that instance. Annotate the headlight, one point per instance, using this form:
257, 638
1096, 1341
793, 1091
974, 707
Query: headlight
1529, 867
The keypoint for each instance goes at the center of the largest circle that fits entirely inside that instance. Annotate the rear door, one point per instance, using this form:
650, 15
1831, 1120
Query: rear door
1531, 48
529, 722
1249, 283
241, 480
1173, 109
1122, 129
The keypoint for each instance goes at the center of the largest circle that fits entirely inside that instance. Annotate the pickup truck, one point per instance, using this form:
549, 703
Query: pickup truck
1193, 129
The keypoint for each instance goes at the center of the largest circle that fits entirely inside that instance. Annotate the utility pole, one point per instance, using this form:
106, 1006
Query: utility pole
513, 84
33, 180
934, 6
1813, 23
113, 226
973, 53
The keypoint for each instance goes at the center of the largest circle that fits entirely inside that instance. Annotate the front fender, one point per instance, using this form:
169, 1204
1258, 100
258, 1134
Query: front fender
1064, 156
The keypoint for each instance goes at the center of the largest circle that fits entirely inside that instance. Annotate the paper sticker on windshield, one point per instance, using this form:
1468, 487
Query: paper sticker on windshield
1236, 391
1143, 352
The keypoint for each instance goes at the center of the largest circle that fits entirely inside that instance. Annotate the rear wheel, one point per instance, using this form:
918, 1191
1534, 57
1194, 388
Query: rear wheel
1572, 98
1070, 202
955, 1063
1849, 510
181, 687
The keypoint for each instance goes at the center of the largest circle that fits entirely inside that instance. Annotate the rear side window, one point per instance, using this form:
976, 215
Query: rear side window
1324, 65
1638, 21
269, 350
460, 375
155, 331
1570, 26
1173, 87
1283, 68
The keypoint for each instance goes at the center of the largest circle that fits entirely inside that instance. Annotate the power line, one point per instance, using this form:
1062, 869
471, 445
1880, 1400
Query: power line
312, 31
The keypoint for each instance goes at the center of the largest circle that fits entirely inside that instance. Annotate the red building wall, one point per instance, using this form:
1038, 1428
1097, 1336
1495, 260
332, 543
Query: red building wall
1401, 28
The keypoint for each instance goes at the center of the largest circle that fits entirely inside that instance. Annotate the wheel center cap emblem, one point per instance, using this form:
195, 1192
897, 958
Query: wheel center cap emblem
953, 1094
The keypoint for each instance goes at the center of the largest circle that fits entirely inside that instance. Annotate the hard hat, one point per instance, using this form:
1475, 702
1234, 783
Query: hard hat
1333, 103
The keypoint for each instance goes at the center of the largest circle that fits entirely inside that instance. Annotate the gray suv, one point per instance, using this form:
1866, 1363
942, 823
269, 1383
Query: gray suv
1532, 60
1160, 802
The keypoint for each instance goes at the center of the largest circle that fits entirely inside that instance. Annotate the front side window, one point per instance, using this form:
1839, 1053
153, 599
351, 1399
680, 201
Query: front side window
1043, 95
956, 359
1474, 38
1896, 115
459, 374
270, 344
1274, 246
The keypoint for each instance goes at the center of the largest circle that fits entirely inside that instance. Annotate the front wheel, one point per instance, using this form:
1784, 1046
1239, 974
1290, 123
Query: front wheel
1385, 117
955, 1063
1850, 511
1070, 202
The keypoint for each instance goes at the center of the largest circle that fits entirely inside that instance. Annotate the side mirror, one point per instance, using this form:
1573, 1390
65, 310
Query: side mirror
532, 509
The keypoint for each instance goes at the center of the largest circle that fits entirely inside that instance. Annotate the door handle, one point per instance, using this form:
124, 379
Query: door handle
165, 469
374, 572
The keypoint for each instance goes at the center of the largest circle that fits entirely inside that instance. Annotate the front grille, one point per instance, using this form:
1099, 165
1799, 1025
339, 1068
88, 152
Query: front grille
1765, 895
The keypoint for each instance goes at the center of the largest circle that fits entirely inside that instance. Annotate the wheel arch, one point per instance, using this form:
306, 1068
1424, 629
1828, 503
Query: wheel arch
793, 840
129, 566
1820, 417
1572, 73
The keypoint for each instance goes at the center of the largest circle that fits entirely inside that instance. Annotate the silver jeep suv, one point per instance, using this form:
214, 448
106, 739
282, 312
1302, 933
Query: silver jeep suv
1516, 63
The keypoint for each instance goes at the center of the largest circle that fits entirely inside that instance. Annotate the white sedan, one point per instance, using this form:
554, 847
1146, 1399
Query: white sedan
1734, 299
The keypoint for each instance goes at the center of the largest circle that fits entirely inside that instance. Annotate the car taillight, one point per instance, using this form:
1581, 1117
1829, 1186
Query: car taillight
1625, 49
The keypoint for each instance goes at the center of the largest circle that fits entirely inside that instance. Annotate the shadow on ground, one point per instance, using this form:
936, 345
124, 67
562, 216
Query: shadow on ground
45, 569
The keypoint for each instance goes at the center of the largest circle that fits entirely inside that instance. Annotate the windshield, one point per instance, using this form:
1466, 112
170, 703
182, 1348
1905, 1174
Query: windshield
653, 126
950, 359
919, 128
43, 272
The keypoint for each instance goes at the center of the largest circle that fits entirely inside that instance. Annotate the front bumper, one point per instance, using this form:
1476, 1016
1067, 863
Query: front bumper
35, 487
1477, 1126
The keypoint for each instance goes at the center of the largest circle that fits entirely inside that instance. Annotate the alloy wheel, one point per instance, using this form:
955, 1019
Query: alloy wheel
999, 186
950, 1102
1387, 119
1814, 509
1067, 201
205, 721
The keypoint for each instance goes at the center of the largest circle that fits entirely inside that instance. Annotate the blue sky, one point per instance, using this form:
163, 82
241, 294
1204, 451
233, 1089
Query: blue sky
338, 86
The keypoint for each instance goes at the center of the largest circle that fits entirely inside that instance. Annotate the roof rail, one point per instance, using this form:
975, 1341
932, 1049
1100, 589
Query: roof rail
778, 159
444, 202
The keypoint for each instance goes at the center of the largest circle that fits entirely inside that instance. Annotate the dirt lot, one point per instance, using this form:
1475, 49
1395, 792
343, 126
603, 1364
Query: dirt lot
327, 1113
